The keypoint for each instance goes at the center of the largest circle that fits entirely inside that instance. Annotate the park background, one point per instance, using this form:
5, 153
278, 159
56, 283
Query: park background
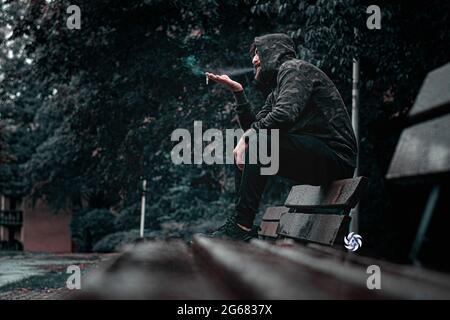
87, 114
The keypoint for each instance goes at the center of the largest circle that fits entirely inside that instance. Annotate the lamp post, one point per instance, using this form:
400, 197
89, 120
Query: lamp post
355, 123
144, 187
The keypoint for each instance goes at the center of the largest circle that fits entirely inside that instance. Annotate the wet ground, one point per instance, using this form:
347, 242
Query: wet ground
42, 275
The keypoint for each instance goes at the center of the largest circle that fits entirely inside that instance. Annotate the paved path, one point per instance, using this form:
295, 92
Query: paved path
26, 276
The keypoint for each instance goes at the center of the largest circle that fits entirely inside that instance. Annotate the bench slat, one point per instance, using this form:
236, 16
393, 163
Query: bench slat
397, 280
423, 150
269, 224
252, 273
152, 270
337, 197
434, 96
274, 213
269, 229
319, 228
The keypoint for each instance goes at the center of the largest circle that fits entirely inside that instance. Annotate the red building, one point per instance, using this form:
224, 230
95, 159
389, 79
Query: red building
38, 227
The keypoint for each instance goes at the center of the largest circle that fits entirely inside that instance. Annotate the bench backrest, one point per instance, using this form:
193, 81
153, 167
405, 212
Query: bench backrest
338, 197
314, 213
423, 150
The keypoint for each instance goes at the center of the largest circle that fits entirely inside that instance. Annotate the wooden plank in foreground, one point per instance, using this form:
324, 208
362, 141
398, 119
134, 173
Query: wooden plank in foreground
151, 270
251, 272
397, 281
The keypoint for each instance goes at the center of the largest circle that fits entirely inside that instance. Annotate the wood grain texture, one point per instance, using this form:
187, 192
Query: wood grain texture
222, 269
398, 281
151, 270
253, 273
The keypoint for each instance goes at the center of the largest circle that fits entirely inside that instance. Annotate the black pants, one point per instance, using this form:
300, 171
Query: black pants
302, 158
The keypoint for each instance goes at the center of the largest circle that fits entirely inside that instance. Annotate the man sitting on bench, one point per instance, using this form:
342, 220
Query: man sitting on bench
316, 144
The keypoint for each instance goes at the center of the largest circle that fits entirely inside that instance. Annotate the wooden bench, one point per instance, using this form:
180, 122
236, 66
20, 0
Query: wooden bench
222, 269
422, 156
318, 214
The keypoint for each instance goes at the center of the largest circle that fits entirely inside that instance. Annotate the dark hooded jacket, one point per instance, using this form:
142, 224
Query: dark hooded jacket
303, 100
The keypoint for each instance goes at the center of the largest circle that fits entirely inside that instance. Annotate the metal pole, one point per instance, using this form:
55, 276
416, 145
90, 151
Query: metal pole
144, 187
354, 227
2, 208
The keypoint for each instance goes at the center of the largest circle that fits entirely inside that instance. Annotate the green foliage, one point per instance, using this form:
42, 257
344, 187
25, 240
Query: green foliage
108, 100
129, 218
90, 226
116, 241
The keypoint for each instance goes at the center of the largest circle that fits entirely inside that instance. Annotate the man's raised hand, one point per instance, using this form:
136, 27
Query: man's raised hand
225, 80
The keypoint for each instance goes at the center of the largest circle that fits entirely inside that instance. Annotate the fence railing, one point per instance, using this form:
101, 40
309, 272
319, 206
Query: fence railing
11, 218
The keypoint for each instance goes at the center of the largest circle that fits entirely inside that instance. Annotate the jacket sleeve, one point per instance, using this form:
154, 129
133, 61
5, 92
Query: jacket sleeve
294, 91
243, 110
267, 107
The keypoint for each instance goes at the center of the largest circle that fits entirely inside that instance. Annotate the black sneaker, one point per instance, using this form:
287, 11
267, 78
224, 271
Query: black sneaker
232, 231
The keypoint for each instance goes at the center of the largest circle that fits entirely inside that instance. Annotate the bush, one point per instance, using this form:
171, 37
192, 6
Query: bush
113, 242
129, 218
89, 226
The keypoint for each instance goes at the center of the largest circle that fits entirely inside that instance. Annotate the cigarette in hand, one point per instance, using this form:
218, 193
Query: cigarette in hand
207, 80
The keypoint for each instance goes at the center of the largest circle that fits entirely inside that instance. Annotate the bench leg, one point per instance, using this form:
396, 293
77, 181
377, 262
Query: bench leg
424, 223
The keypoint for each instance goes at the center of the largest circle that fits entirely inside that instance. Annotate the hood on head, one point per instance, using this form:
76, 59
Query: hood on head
273, 50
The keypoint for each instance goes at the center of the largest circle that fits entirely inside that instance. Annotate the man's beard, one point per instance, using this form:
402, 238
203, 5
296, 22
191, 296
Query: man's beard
260, 83
258, 76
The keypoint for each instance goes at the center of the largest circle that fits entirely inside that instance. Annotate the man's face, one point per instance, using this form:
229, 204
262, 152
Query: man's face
257, 65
